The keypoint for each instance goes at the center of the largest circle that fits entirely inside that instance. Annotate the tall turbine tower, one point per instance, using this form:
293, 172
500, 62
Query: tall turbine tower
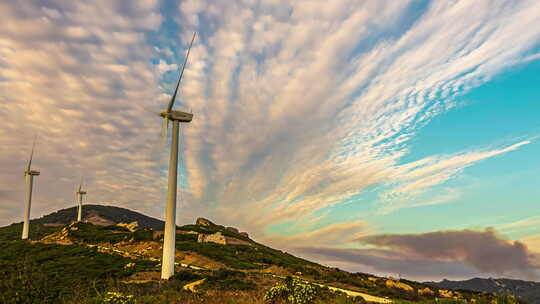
167, 263
80, 194
29, 177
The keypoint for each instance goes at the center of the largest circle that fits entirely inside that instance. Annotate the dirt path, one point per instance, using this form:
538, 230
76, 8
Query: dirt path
366, 296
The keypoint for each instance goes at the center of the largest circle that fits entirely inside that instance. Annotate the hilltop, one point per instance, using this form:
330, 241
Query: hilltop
101, 215
69, 262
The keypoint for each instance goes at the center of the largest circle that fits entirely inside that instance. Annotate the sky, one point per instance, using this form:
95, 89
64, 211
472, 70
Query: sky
388, 137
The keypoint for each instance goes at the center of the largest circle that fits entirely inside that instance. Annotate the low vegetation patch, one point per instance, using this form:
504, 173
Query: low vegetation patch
53, 272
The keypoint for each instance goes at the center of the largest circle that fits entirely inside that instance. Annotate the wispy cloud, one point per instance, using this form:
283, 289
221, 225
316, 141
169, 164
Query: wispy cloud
413, 179
333, 235
305, 108
525, 224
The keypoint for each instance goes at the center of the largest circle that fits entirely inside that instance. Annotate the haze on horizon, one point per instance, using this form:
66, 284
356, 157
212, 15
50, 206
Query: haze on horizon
389, 137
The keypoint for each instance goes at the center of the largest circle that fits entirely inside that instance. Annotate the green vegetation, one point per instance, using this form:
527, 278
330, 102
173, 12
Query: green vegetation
55, 272
243, 256
295, 291
228, 280
145, 234
292, 291
14, 232
112, 297
93, 234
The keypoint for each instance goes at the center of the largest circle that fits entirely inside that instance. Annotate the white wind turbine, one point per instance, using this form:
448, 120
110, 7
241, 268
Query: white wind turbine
80, 193
167, 263
29, 177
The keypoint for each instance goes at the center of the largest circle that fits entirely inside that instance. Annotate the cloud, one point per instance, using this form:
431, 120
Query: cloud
484, 250
387, 263
415, 178
526, 224
331, 235
295, 108
77, 74
533, 243
163, 67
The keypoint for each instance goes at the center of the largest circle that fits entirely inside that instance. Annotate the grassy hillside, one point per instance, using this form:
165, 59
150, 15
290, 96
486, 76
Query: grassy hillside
102, 259
52, 273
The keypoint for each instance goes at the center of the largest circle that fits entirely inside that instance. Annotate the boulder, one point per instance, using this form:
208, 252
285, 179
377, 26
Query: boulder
204, 222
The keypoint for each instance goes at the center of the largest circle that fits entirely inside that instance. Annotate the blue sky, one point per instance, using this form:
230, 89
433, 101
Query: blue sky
362, 134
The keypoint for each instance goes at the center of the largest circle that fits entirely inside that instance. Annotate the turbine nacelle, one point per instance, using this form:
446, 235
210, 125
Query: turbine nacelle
176, 115
31, 172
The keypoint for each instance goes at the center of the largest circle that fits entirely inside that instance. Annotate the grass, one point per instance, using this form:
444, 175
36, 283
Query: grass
54, 272
14, 231
245, 257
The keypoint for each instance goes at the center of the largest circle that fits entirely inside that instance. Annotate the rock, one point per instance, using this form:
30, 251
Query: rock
233, 229
204, 222
425, 291
131, 226
219, 238
396, 284
244, 234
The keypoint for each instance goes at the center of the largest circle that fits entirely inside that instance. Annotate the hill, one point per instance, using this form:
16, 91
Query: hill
108, 215
525, 290
88, 263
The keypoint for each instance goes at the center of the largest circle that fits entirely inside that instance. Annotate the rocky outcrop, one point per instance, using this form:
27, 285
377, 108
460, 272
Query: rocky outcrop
396, 284
61, 237
133, 226
204, 222
95, 219
219, 238
425, 291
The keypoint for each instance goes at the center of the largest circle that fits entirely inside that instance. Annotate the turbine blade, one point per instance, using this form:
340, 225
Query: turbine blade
31, 155
80, 184
164, 133
171, 103
150, 110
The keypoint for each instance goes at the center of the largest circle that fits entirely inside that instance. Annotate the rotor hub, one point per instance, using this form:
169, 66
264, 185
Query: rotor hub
180, 116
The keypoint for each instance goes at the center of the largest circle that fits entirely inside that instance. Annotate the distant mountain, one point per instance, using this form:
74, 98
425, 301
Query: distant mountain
101, 215
525, 290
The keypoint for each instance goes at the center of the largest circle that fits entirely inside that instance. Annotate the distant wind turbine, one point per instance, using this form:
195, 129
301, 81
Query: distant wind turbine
80, 194
29, 177
167, 263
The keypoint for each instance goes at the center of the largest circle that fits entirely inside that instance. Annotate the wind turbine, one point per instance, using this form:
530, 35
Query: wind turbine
29, 177
169, 250
80, 193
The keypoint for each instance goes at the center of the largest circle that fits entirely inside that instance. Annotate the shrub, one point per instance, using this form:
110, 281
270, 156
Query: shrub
117, 298
144, 234
293, 291
186, 275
